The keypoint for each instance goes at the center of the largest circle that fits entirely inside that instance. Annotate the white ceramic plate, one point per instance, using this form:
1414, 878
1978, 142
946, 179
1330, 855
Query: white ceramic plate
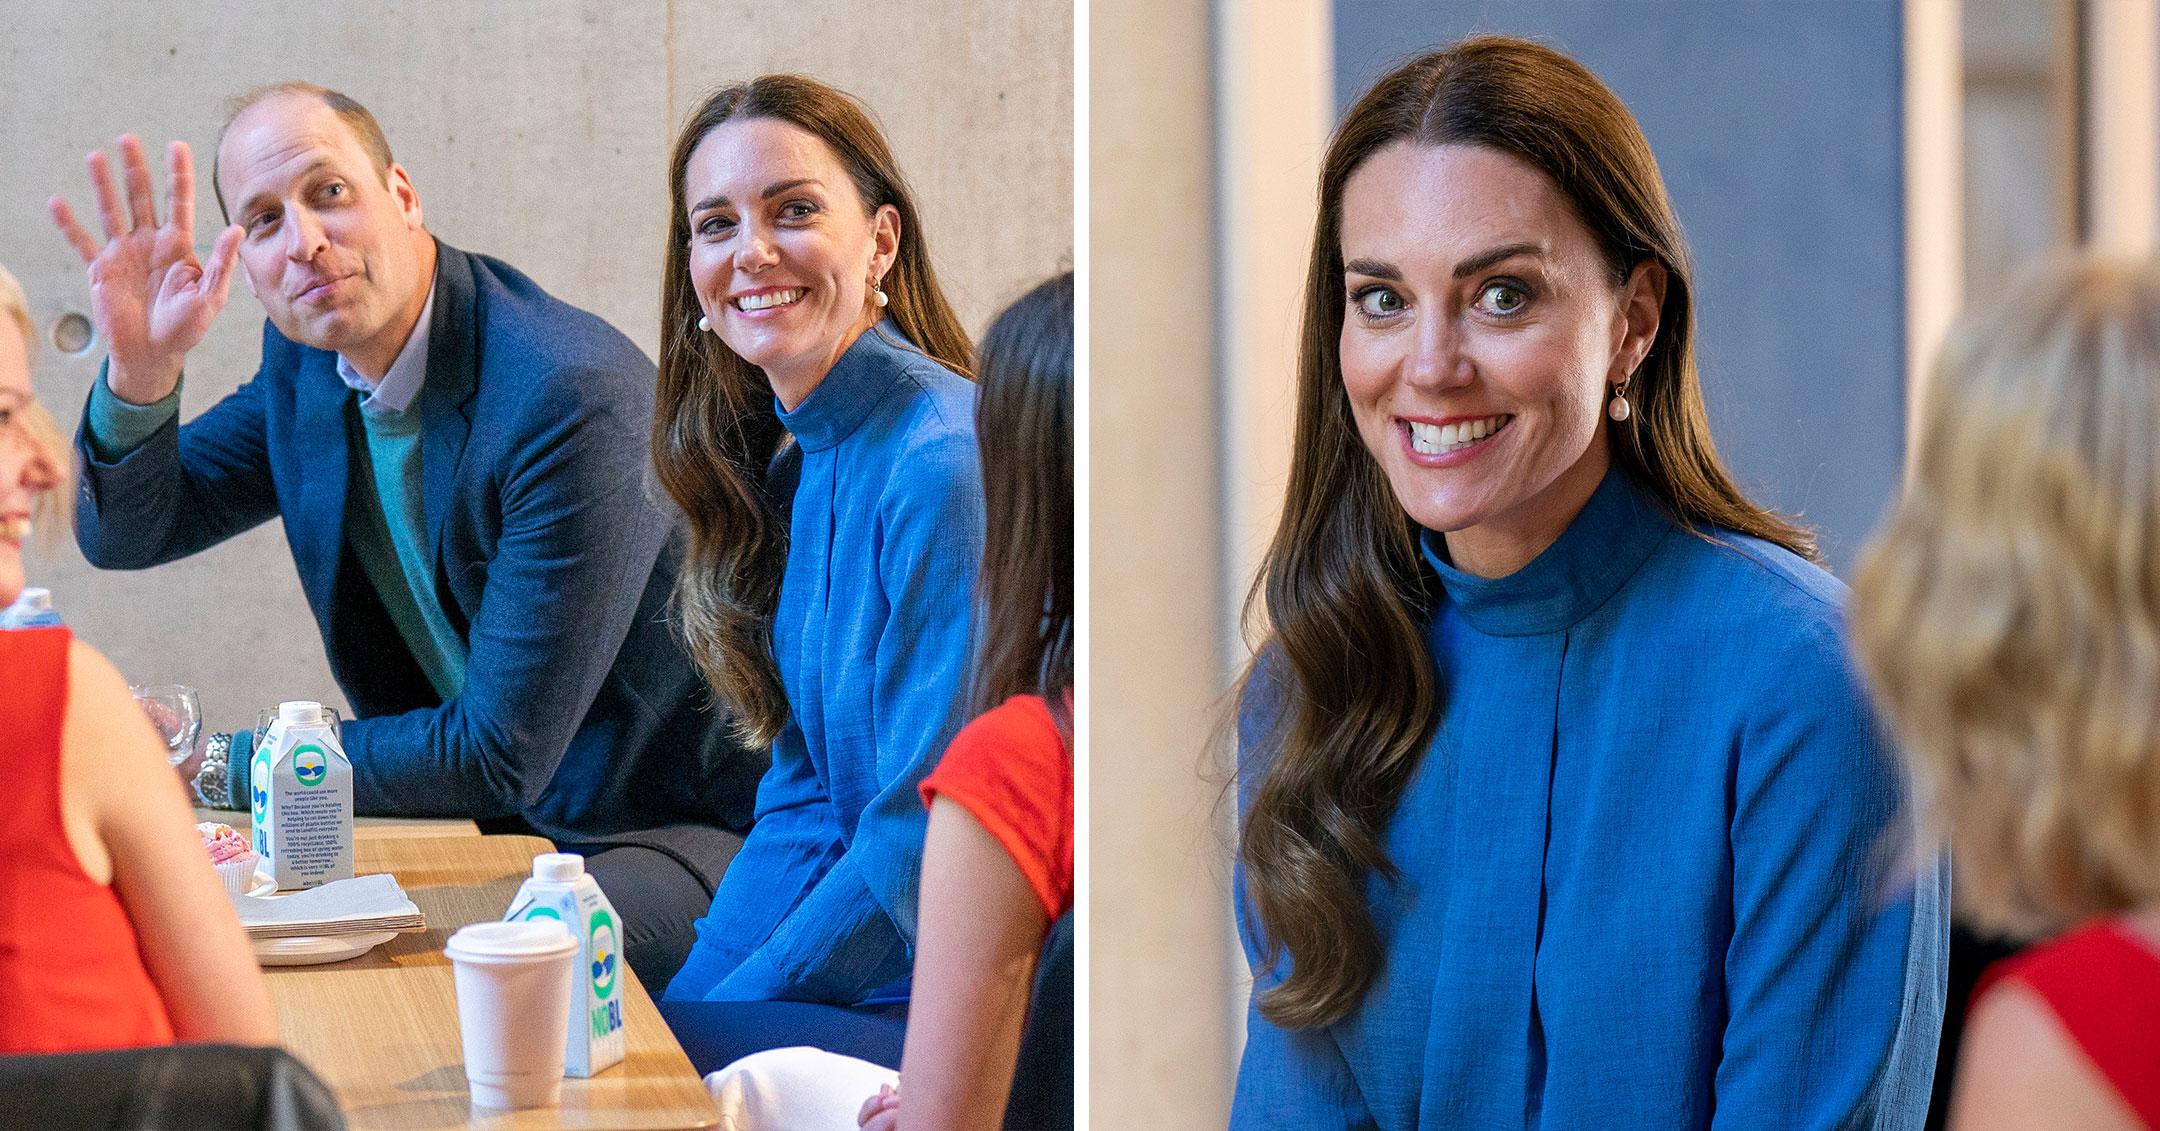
265, 884
315, 950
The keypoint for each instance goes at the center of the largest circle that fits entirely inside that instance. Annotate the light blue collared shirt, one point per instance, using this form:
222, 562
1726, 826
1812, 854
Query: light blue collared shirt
401, 385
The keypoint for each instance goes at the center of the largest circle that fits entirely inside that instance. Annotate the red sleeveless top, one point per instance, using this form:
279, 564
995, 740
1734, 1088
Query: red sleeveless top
2102, 982
71, 975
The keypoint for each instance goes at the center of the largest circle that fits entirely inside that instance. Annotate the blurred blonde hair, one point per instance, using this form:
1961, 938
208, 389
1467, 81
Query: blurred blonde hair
51, 508
2008, 611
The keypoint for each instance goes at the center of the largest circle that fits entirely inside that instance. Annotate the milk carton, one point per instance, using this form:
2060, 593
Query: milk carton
32, 609
303, 799
560, 890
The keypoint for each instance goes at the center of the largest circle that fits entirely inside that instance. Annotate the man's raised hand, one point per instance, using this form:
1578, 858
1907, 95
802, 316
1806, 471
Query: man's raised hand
151, 298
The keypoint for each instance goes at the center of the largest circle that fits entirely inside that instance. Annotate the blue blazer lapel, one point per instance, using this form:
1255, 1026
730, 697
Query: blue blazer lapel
321, 450
453, 367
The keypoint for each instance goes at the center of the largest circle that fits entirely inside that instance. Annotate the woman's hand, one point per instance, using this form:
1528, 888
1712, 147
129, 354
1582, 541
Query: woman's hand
880, 1112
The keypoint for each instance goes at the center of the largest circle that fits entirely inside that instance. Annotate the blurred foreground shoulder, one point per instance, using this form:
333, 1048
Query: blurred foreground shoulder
2019, 1069
97, 695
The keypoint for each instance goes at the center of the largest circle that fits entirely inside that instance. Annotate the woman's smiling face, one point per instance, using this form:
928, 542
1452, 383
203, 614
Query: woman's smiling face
1482, 333
783, 249
27, 468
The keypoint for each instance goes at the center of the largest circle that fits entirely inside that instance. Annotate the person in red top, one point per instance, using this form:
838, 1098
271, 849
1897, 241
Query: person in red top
997, 867
1010, 772
114, 930
2008, 615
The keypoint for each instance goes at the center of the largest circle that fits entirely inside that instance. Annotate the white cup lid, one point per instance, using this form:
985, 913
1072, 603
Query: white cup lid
558, 867
300, 711
513, 941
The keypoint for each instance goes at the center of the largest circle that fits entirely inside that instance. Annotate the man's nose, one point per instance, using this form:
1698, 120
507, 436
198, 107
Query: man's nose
304, 236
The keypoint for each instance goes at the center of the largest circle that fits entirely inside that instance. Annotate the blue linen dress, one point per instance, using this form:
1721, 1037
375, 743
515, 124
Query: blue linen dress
1644, 862
871, 635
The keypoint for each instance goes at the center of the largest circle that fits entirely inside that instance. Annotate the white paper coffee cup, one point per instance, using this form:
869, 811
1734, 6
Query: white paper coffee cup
513, 991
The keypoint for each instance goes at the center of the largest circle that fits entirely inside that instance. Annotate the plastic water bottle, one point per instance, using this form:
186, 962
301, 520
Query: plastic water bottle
33, 609
560, 890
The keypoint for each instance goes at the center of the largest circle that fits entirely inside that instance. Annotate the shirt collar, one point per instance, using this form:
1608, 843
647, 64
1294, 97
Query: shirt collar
858, 381
1606, 543
401, 385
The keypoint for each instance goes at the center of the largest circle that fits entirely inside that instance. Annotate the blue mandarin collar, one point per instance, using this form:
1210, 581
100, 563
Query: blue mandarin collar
1608, 541
858, 381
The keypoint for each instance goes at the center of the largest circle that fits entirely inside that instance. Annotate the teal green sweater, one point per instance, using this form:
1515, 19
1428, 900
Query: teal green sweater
385, 515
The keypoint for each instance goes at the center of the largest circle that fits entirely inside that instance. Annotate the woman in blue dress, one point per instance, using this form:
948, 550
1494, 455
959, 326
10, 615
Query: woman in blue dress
815, 424
1560, 803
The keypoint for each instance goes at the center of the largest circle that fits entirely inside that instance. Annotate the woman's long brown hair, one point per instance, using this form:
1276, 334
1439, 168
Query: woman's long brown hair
715, 430
1024, 427
1342, 672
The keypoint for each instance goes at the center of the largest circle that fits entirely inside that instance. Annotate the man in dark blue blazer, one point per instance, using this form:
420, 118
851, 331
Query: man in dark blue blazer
460, 463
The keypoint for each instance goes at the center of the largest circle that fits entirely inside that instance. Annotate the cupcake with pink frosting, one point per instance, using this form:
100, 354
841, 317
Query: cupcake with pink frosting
231, 855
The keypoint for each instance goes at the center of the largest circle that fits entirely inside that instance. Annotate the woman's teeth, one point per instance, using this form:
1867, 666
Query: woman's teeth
768, 299
1440, 439
15, 529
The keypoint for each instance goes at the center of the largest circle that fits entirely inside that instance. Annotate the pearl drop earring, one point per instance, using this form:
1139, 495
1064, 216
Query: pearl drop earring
877, 292
704, 324
1618, 409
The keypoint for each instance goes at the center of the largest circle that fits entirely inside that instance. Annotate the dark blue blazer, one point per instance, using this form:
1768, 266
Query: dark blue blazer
581, 713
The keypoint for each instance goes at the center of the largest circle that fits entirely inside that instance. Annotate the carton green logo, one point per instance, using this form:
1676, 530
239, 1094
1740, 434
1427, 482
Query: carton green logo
603, 954
310, 765
538, 911
261, 785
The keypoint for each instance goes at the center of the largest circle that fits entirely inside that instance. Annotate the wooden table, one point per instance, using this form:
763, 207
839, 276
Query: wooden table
364, 828
382, 1029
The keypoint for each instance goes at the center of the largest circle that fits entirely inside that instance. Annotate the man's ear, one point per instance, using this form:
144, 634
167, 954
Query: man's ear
401, 187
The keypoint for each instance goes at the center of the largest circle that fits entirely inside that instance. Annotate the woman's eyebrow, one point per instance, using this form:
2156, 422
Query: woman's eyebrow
1471, 266
1477, 263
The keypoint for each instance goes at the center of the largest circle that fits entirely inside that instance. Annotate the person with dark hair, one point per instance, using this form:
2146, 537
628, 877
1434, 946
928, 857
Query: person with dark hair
816, 423
998, 860
458, 458
1560, 803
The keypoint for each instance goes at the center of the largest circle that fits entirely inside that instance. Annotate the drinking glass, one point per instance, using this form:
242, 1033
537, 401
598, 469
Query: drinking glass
176, 711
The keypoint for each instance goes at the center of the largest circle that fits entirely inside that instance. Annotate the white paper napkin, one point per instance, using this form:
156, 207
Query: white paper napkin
341, 907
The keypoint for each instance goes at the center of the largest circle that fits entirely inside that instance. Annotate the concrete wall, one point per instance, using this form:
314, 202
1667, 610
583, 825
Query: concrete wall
1777, 128
1158, 959
535, 131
